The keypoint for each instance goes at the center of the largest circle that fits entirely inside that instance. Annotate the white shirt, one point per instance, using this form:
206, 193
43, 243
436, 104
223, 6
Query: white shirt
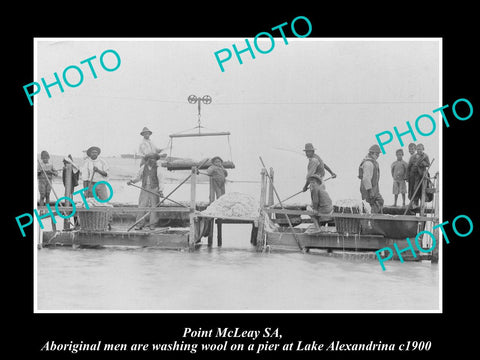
87, 169
147, 147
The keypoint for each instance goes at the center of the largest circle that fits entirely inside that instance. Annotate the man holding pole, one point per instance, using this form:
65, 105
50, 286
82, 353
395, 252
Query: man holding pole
95, 169
44, 175
152, 188
315, 166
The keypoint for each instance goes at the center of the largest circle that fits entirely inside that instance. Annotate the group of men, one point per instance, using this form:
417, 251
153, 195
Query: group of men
96, 169
412, 173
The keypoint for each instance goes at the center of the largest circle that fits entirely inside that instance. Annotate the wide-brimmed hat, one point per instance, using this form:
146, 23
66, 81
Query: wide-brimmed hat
216, 158
317, 177
149, 156
68, 159
145, 130
90, 149
309, 147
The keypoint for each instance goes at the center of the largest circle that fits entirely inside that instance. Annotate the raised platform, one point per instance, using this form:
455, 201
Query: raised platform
162, 238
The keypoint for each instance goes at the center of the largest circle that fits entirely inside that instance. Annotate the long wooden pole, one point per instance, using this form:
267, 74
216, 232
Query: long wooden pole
418, 186
165, 198
193, 206
154, 193
261, 219
297, 193
302, 248
51, 186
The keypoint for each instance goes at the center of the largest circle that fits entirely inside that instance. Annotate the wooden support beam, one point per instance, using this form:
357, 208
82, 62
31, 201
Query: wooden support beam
193, 192
270, 189
219, 232
354, 216
220, 133
261, 220
68, 188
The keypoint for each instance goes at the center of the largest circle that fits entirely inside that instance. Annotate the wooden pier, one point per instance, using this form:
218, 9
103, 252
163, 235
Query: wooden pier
188, 225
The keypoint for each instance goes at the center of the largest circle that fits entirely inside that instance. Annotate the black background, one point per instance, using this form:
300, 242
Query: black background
451, 331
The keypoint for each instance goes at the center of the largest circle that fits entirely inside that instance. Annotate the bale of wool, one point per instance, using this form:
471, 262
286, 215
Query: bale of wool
233, 204
352, 206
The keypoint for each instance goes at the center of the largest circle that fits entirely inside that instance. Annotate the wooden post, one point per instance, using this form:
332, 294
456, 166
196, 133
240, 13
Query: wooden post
263, 196
270, 200
211, 194
210, 232
219, 232
435, 252
68, 190
253, 235
193, 185
422, 199
270, 189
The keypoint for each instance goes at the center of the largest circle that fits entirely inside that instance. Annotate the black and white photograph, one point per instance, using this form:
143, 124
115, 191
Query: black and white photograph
204, 183
250, 171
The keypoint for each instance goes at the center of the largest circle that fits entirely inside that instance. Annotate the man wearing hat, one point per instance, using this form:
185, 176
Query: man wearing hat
45, 174
321, 201
147, 146
369, 175
315, 165
74, 175
95, 169
418, 164
218, 175
152, 188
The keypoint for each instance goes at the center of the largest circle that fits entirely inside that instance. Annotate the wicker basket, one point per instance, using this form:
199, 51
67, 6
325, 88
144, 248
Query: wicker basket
345, 225
93, 220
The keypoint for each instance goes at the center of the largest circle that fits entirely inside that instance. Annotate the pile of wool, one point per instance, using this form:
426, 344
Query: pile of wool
233, 204
92, 202
352, 206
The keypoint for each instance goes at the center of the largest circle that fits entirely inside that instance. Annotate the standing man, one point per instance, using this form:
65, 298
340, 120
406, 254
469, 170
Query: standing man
369, 174
218, 175
412, 149
399, 175
44, 175
321, 201
152, 182
94, 170
147, 146
315, 166
418, 167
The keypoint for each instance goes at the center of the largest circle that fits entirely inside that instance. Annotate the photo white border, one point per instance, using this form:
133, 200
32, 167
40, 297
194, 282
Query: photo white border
36, 231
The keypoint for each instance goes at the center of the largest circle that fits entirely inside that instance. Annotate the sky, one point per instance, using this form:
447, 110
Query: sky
335, 93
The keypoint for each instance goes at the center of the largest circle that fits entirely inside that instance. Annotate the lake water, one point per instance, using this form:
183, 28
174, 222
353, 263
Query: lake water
234, 277
231, 278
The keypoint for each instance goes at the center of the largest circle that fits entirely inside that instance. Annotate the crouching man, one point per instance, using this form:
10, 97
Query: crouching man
152, 188
321, 201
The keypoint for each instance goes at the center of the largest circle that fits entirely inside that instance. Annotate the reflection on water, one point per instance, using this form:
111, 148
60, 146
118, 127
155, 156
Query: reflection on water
233, 277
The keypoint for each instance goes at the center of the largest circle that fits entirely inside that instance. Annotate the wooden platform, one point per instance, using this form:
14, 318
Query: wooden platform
285, 240
161, 238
